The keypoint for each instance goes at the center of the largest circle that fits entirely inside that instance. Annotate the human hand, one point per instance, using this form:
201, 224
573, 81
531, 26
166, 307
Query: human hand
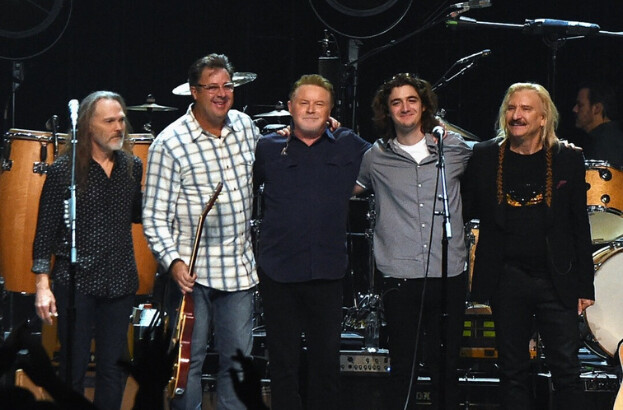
45, 302
183, 278
583, 304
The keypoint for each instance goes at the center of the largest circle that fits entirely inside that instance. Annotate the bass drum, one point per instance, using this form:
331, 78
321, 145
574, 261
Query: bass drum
603, 320
26, 156
145, 261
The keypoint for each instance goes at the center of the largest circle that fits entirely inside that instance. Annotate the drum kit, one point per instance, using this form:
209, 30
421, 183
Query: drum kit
604, 182
601, 328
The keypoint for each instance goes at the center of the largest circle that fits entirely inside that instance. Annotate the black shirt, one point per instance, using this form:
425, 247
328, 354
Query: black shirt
605, 143
105, 210
524, 191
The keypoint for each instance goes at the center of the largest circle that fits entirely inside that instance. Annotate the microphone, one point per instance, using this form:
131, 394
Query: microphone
573, 28
472, 4
468, 5
438, 132
73, 112
51, 123
472, 57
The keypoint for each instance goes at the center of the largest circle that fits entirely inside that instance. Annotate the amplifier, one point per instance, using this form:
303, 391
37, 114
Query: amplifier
600, 389
478, 340
365, 362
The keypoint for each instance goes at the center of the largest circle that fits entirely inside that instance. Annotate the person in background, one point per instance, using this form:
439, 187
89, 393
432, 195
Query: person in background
596, 114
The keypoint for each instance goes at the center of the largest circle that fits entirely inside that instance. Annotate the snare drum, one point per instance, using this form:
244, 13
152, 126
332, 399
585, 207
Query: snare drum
604, 198
603, 320
145, 261
27, 154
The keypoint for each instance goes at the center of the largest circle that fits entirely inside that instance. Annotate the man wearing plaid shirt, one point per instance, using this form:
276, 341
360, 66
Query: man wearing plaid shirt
211, 143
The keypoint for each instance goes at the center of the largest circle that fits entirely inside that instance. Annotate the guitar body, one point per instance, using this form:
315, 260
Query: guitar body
183, 336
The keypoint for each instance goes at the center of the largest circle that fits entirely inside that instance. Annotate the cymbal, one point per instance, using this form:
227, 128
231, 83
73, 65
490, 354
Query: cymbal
464, 133
275, 113
241, 78
150, 107
238, 79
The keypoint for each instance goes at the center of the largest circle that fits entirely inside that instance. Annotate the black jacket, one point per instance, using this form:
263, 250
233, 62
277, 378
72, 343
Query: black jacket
567, 233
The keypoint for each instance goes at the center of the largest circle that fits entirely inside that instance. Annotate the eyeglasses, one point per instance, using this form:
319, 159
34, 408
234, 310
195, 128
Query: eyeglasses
214, 88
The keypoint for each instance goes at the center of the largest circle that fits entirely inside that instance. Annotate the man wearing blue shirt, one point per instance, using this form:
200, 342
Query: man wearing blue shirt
308, 179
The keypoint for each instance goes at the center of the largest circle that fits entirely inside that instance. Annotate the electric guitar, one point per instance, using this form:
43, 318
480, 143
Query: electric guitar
185, 317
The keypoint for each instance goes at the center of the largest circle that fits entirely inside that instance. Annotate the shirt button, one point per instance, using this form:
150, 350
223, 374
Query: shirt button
425, 245
419, 185
423, 225
421, 205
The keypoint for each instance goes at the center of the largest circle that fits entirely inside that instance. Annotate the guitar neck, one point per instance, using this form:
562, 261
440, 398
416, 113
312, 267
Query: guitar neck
202, 218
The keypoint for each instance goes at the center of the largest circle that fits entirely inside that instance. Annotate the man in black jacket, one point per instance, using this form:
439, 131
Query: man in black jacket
534, 250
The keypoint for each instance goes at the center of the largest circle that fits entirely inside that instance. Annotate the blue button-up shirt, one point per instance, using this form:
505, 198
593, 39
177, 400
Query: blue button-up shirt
305, 201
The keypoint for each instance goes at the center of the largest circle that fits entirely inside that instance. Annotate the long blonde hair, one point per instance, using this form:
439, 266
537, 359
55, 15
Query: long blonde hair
548, 135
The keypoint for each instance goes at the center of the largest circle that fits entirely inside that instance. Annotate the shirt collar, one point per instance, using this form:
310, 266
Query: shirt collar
195, 130
326, 133
430, 143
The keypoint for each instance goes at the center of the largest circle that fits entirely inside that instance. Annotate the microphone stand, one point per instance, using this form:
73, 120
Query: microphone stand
73, 261
445, 80
447, 234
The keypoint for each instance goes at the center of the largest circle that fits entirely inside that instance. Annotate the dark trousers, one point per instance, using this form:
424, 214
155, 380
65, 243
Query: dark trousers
518, 301
107, 319
402, 301
315, 308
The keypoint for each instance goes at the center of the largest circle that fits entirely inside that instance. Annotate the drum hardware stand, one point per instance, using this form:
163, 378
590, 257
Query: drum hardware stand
367, 312
7, 163
41, 167
17, 71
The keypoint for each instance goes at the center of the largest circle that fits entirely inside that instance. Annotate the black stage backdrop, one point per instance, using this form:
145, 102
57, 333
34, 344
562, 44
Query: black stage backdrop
141, 47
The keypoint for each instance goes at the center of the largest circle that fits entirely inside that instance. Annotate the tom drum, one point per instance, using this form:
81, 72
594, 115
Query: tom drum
604, 197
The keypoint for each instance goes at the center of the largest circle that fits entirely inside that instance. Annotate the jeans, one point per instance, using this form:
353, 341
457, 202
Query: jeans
315, 308
108, 320
229, 313
519, 299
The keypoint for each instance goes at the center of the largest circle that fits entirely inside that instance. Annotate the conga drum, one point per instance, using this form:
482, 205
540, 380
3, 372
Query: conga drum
26, 156
145, 261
